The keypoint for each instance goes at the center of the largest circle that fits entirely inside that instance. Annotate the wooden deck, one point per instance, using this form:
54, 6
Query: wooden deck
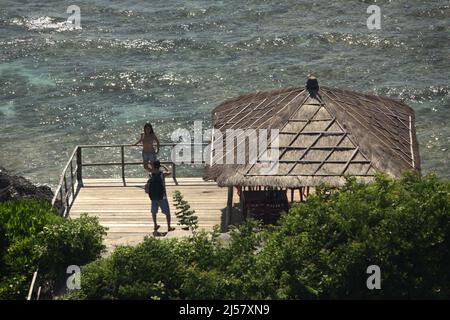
126, 210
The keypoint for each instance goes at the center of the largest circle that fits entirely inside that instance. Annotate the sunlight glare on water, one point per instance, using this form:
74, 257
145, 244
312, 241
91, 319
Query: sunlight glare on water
171, 62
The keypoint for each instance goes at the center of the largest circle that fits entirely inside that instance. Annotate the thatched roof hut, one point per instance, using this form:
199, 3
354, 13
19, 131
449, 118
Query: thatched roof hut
324, 134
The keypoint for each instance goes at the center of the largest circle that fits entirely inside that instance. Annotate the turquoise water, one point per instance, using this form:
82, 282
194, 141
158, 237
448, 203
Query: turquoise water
171, 62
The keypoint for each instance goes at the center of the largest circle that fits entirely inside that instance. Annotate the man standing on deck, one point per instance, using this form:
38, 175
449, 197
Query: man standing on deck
156, 189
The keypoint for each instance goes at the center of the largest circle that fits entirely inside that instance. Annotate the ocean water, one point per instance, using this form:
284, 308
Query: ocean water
171, 62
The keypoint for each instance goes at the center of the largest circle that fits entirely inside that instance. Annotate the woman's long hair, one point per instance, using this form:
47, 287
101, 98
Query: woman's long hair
149, 126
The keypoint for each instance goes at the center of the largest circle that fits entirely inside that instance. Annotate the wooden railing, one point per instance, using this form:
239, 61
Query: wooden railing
71, 180
62, 191
72, 175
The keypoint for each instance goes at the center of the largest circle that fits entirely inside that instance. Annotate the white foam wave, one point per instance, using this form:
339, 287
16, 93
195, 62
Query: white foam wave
44, 23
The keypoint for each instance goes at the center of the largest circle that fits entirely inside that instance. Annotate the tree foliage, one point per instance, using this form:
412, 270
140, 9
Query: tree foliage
33, 236
319, 250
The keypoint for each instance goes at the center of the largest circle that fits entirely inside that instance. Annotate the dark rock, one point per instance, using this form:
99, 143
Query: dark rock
16, 187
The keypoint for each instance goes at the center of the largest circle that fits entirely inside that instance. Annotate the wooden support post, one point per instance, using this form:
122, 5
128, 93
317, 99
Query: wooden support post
174, 173
122, 156
30, 291
61, 195
66, 193
229, 207
301, 194
241, 203
79, 167
71, 180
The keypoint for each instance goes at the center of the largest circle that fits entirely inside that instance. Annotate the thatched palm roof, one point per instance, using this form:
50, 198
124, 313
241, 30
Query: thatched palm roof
322, 137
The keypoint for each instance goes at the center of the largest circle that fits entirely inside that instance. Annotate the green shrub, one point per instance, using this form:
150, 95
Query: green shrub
149, 270
319, 250
22, 218
205, 285
196, 267
35, 237
3, 248
97, 281
73, 242
323, 247
21, 221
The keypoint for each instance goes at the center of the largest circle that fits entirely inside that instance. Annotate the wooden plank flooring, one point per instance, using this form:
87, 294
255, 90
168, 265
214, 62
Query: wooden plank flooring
126, 210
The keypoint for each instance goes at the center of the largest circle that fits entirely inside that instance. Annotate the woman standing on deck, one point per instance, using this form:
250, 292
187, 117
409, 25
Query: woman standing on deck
148, 139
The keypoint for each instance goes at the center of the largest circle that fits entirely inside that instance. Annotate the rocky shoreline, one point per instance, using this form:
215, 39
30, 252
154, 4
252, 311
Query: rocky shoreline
16, 187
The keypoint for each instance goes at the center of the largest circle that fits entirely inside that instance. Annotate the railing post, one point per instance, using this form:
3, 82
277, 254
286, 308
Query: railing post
79, 167
174, 173
62, 201
229, 210
122, 153
71, 180
66, 193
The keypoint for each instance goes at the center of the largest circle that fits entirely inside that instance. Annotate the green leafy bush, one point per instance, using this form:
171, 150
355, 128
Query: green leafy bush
35, 237
3, 248
196, 267
323, 247
73, 242
148, 264
319, 250
21, 221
